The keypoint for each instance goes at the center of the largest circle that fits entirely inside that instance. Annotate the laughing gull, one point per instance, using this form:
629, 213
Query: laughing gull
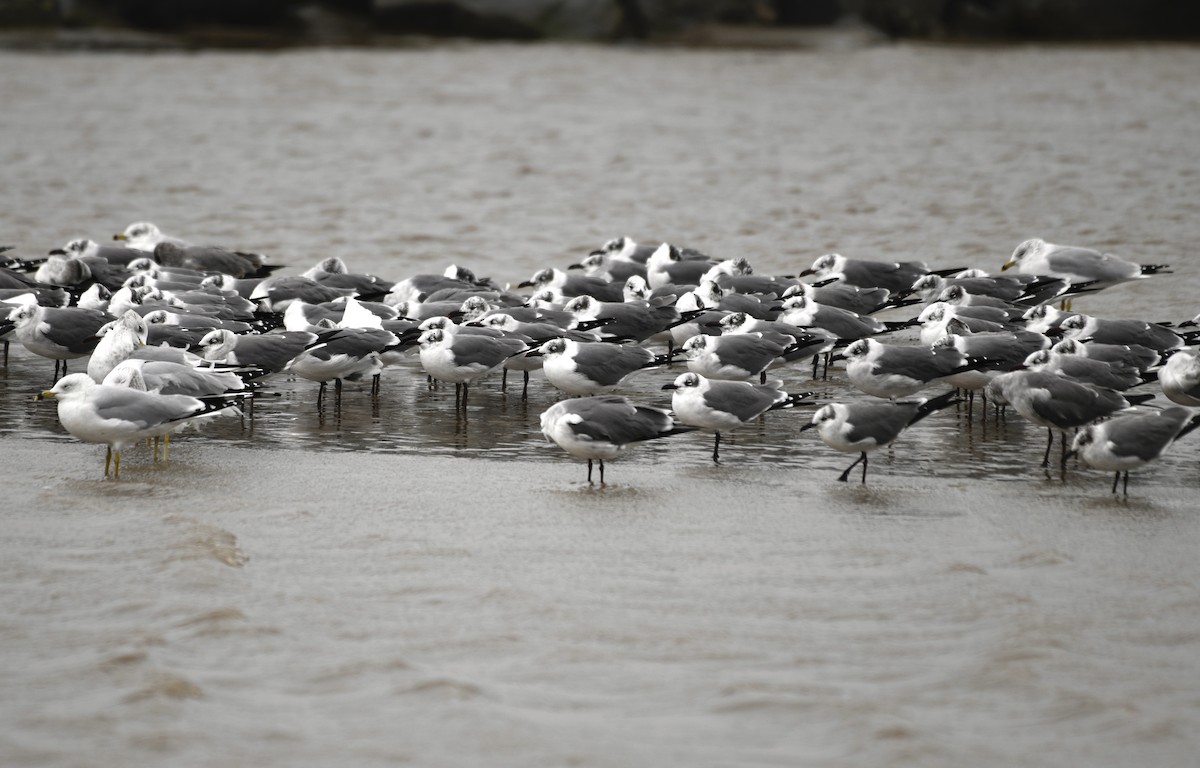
575, 285
341, 354
671, 265
603, 426
60, 334
590, 368
1078, 264
1180, 377
1121, 331
1118, 376
1130, 441
844, 324
605, 265
269, 351
894, 276
891, 371
212, 258
460, 358
628, 320
860, 301
334, 273
724, 405
121, 416
1056, 402
734, 356
1135, 355
861, 427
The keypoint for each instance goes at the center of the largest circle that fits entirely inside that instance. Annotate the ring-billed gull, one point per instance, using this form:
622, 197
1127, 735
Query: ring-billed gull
120, 416
1077, 264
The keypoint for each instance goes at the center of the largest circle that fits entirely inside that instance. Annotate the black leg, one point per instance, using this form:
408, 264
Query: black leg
320, 395
865, 462
589, 471
717, 448
504, 380
1050, 442
862, 458
1116, 477
601, 471
525, 387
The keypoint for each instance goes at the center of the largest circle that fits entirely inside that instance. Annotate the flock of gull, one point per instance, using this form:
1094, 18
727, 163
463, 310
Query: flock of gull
175, 333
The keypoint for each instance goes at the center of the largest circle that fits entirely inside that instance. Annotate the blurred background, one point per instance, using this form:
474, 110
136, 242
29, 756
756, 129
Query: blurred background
284, 23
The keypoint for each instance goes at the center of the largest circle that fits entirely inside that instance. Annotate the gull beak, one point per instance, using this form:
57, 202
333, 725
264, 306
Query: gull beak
809, 425
120, 236
45, 394
670, 386
1007, 264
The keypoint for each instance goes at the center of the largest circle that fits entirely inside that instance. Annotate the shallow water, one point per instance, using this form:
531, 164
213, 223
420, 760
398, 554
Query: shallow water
391, 583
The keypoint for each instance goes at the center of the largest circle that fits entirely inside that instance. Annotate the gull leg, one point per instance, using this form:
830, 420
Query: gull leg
108, 460
589, 471
717, 448
601, 471
862, 458
1050, 442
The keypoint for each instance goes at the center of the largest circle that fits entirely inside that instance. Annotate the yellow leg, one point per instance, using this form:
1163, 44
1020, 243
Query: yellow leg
166, 441
116, 464
107, 460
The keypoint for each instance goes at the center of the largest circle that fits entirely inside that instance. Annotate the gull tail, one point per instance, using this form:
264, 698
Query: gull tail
935, 404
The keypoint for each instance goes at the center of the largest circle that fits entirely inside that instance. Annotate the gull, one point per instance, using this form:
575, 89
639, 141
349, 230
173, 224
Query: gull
590, 368
1121, 331
670, 265
844, 324
1117, 376
609, 265
117, 255
460, 358
334, 273
121, 416
862, 427
575, 285
1078, 264
1180, 377
211, 258
734, 356
1142, 358
633, 320
60, 334
1056, 402
119, 339
144, 236
172, 378
419, 287
894, 276
860, 301
269, 351
891, 371
1130, 441
602, 427
342, 354
714, 405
